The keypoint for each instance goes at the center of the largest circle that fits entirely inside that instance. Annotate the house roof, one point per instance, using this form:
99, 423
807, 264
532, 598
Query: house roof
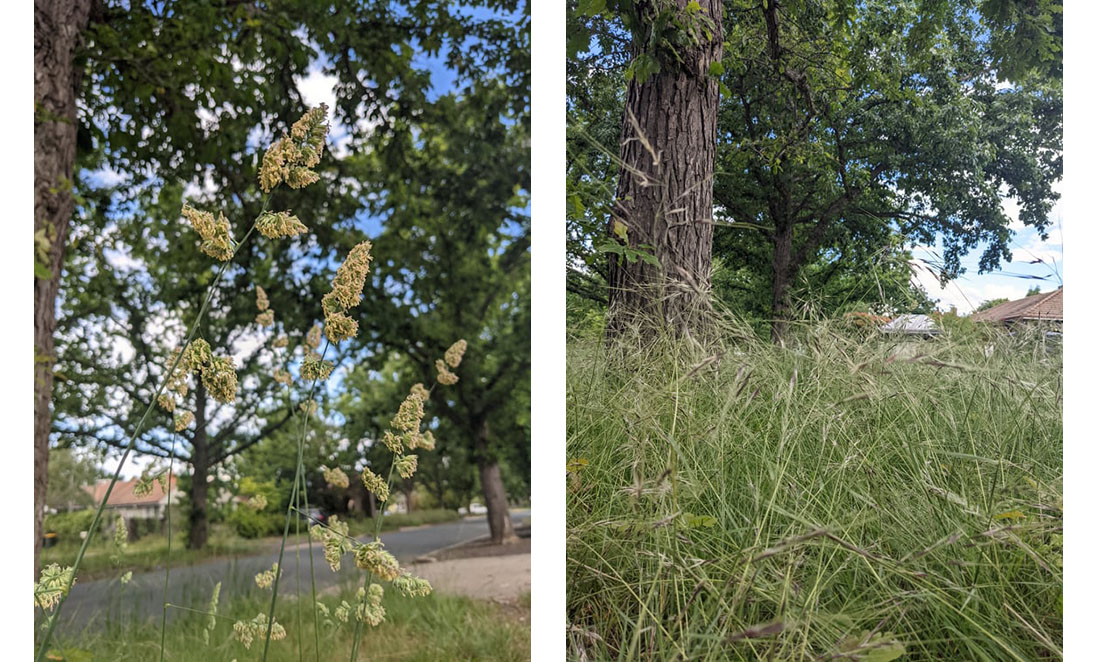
123, 494
1042, 306
912, 324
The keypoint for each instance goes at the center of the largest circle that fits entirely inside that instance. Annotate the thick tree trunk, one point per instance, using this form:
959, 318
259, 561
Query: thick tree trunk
57, 28
781, 281
664, 197
492, 488
200, 466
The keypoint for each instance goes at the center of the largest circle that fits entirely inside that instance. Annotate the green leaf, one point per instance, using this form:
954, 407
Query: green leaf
717, 69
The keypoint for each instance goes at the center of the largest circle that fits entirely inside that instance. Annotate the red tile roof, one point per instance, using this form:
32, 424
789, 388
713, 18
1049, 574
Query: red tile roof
1042, 306
123, 494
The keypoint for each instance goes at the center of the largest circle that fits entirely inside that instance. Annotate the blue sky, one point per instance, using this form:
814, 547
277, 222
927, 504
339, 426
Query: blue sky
1011, 280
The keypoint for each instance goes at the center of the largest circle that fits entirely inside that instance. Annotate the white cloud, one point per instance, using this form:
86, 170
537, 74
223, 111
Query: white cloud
963, 293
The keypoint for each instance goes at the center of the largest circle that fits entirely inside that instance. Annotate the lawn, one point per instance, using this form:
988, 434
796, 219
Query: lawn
841, 497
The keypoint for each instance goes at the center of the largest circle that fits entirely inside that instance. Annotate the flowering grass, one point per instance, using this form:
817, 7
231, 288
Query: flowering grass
438, 627
288, 161
842, 497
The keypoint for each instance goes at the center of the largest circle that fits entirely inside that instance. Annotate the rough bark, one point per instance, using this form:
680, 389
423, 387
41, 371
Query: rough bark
200, 466
664, 195
57, 28
492, 488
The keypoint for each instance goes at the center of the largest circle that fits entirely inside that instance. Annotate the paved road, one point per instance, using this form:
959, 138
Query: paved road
106, 601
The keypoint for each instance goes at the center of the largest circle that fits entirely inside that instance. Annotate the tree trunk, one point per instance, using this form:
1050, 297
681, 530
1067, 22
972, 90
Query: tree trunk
200, 465
408, 487
664, 196
492, 487
781, 281
57, 28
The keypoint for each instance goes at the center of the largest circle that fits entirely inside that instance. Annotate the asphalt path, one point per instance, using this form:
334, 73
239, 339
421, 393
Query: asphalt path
106, 602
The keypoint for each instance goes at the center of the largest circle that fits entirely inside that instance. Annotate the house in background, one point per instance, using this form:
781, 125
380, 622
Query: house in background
124, 502
1042, 308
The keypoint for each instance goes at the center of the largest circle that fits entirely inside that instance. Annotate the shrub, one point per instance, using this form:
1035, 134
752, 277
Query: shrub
249, 523
69, 525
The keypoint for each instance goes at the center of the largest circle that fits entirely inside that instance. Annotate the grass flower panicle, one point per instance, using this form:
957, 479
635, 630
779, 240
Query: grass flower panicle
445, 376
347, 290
53, 583
313, 337
370, 609
183, 421
315, 368
409, 414
219, 378
166, 402
216, 239
279, 224
262, 302
211, 614
418, 391
335, 477
289, 160
334, 539
423, 441
247, 631
283, 377
405, 465
339, 326
411, 586
257, 502
453, 355
266, 318
373, 558
376, 485
266, 578
280, 342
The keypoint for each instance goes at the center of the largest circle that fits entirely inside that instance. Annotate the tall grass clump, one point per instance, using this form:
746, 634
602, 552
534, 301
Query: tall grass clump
840, 496
288, 162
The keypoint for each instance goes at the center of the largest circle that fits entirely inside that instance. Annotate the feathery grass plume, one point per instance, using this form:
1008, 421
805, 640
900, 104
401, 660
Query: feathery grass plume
267, 577
411, 586
315, 368
334, 539
419, 391
125, 579
343, 612
257, 502
183, 421
262, 303
281, 341
405, 465
283, 377
375, 559
291, 157
370, 609
216, 239
376, 485
308, 408
53, 583
453, 355
247, 631
278, 224
266, 318
335, 477
409, 414
445, 376
212, 614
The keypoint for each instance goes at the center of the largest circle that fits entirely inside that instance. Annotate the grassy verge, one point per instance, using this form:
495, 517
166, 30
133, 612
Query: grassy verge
438, 627
841, 497
150, 552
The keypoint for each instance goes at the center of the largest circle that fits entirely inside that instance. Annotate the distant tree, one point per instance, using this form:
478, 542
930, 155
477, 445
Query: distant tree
986, 305
71, 472
1033, 291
